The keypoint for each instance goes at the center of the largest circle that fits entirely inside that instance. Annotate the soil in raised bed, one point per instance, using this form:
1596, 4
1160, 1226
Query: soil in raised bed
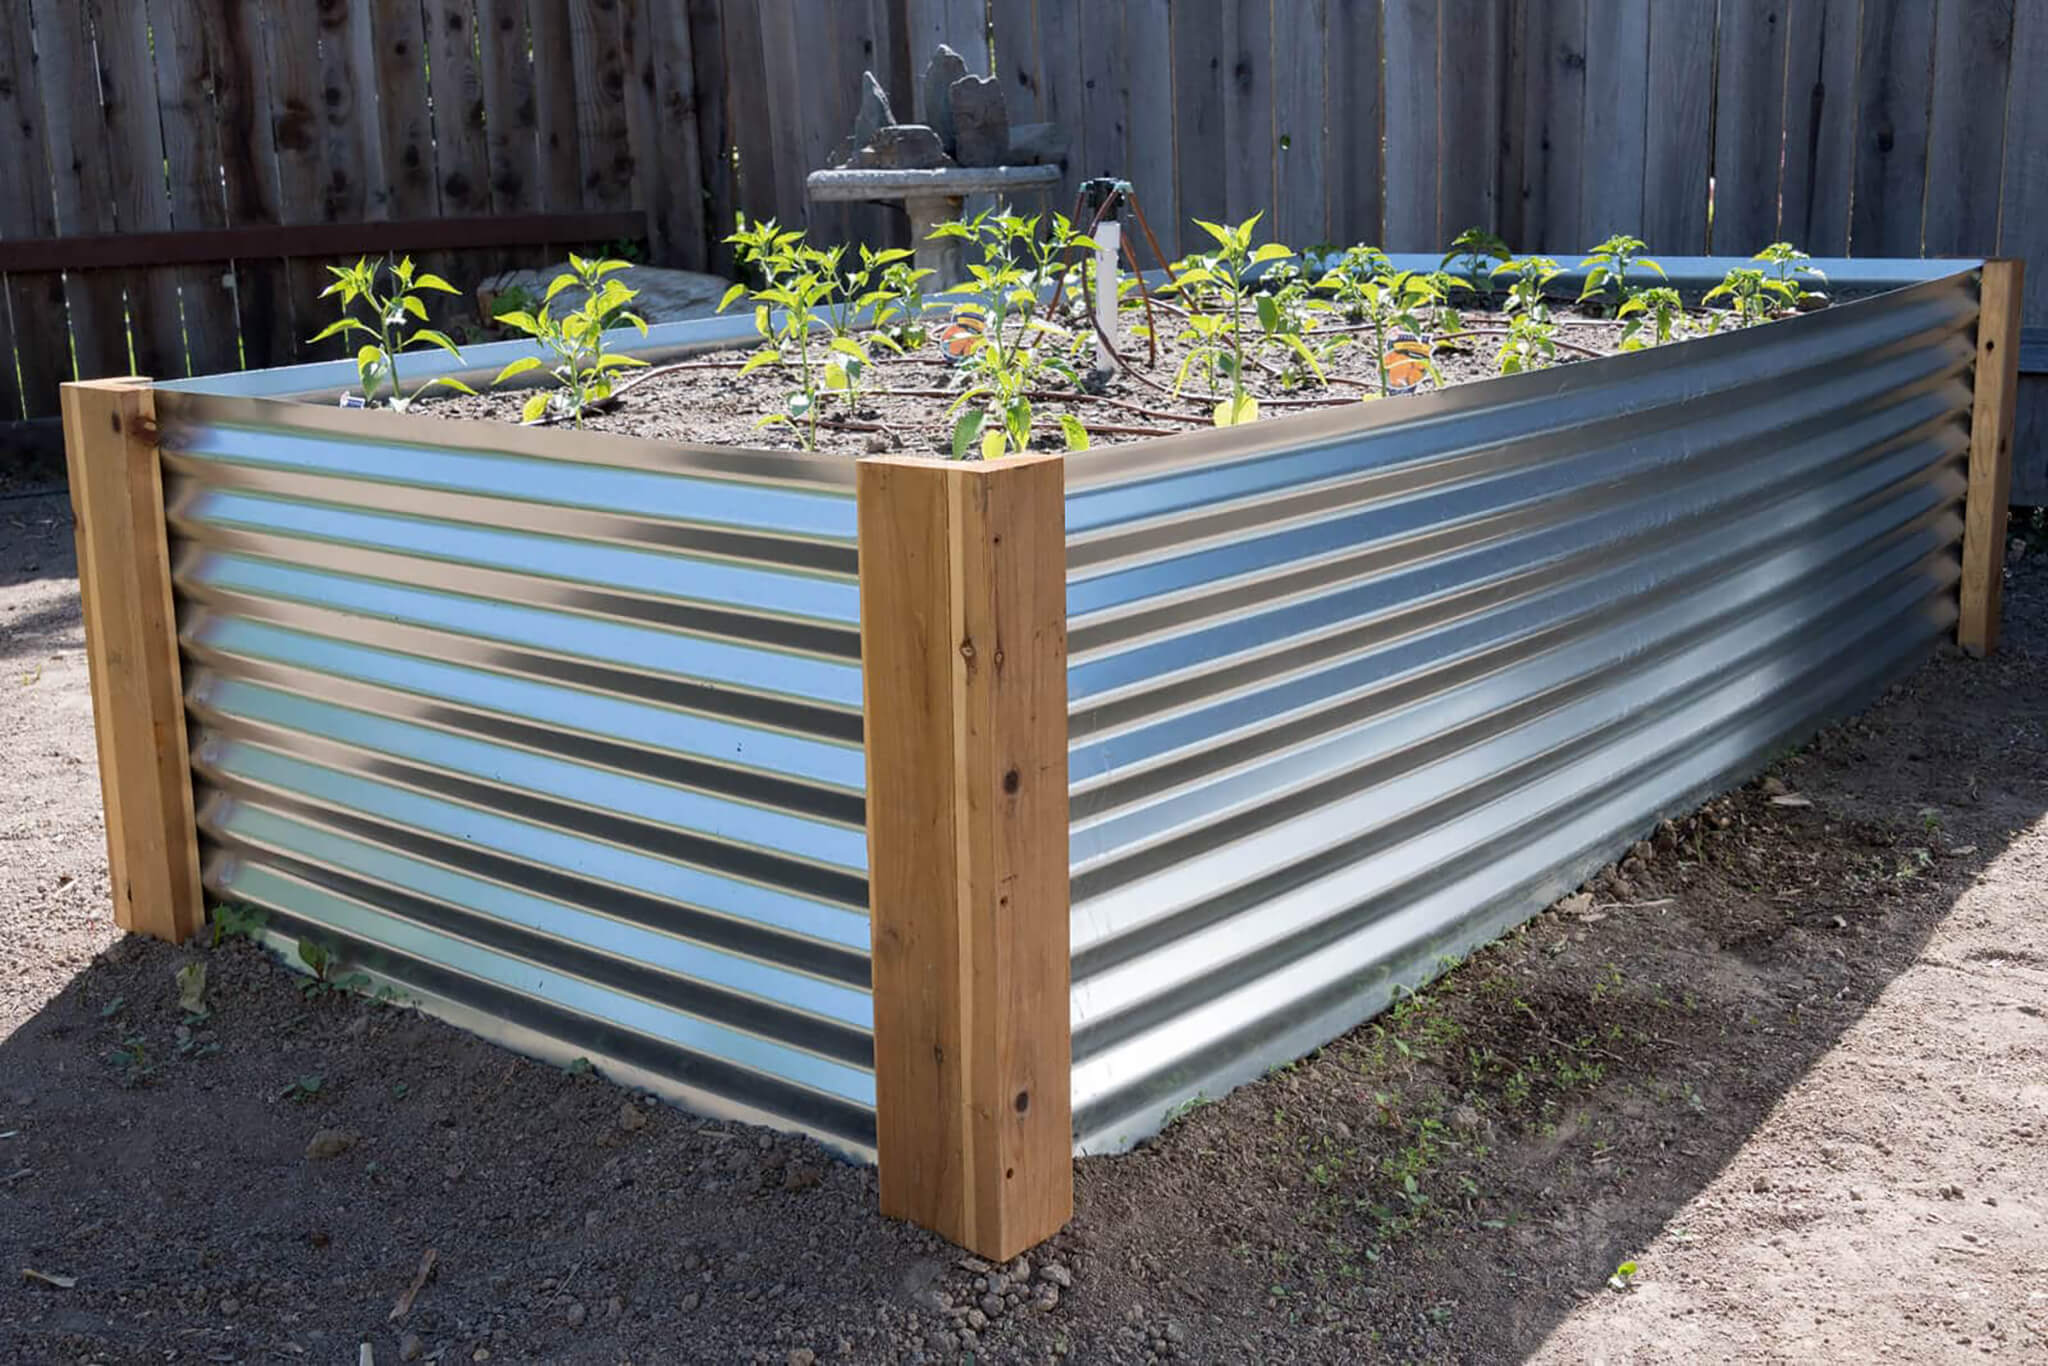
906, 404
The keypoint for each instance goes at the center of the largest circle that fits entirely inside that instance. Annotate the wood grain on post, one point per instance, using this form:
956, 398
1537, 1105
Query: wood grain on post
131, 645
963, 640
1991, 416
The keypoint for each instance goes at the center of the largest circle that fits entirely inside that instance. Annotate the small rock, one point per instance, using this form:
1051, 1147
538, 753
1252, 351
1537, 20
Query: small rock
1855, 1194
1951, 1192
1762, 1183
802, 1177
977, 1320
1773, 786
1466, 1117
945, 67
410, 1348
1019, 1271
992, 1305
330, 1143
981, 121
576, 1313
230, 1307
903, 147
1578, 903
692, 1262
1643, 851
689, 1301
1048, 1299
1057, 1274
480, 1354
632, 1118
874, 114
614, 1307
802, 1356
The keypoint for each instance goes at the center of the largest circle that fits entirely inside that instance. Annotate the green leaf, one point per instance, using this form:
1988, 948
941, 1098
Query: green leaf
439, 339
1076, 434
436, 283
731, 295
519, 320
1017, 418
1269, 313
1236, 411
1272, 251
614, 361
536, 404
446, 381
517, 367
413, 306
847, 346
966, 430
342, 327
836, 378
767, 355
992, 444
1215, 230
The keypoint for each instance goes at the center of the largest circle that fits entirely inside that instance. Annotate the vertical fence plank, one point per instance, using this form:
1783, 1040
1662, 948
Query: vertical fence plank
1749, 126
779, 137
1893, 74
1967, 127
35, 302
1352, 123
455, 80
1410, 45
714, 148
131, 648
1059, 77
352, 148
1299, 211
963, 643
1680, 134
747, 112
511, 108
1100, 140
667, 156
1991, 424
249, 179
1554, 109
1617, 118
1820, 125
2023, 232
186, 81
1470, 81
292, 52
603, 140
1247, 150
83, 186
554, 106
960, 24
133, 147
1013, 38
411, 187
1148, 84
1201, 190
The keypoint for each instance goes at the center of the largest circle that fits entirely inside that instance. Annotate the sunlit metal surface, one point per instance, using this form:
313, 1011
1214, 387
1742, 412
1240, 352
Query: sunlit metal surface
556, 733
1355, 693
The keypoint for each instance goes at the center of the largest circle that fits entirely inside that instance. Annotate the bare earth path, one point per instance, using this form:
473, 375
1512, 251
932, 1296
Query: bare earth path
1791, 1061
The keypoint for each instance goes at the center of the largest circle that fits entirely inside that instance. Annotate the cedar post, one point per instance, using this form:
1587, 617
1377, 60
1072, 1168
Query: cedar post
1991, 415
131, 648
963, 662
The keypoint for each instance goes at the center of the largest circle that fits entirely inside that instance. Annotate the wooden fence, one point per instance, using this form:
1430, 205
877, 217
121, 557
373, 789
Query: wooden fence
1890, 127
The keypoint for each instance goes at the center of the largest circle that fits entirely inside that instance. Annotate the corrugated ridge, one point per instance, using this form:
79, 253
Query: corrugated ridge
1412, 673
567, 748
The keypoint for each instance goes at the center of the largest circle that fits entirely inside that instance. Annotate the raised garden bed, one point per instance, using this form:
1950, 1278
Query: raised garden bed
629, 750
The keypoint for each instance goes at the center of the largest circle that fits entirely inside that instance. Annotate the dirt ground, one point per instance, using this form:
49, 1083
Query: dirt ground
1790, 1061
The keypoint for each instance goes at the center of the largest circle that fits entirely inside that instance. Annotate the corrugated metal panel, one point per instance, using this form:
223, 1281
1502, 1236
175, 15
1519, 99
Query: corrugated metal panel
559, 733
1366, 694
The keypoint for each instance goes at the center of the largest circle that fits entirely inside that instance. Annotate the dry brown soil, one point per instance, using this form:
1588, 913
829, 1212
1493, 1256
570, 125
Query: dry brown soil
1793, 1063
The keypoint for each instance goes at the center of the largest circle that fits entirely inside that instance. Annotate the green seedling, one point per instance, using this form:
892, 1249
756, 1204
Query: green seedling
799, 282
1761, 293
1608, 266
1010, 349
582, 367
234, 920
192, 989
1531, 343
1624, 1276
1397, 307
1476, 251
1528, 276
1216, 286
398, 319
1657, 310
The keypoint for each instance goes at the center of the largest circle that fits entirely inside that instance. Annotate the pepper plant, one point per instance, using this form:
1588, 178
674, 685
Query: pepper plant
1657, 310
1009, 349
1397, 306
1530, 275
797, 284
582, 368
398, 319
1216, 285
1531, 343
1609, 264
1476, 251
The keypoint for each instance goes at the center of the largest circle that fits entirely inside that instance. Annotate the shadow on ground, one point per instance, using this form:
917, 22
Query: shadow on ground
1447, 1183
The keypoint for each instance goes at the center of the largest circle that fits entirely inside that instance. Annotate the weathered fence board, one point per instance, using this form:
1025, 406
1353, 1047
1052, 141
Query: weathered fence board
1617, 117
1471, 79
1298, 105
1351, 147
1413, 159
1894, 73
1820, 125
1967, 128
1749, 125
1679, 148
35, 302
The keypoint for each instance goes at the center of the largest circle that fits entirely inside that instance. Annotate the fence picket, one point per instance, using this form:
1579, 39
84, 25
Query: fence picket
1352, 123
1820, 125
1471, 76
1410, 44
35, 301
1893, 75
249, 178
1967, 126
1749, 126
185, 82
1679, 142
1299, 213
1617, 118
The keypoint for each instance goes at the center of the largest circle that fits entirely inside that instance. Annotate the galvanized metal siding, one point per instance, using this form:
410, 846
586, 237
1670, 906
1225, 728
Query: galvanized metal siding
1367, 694
559, 733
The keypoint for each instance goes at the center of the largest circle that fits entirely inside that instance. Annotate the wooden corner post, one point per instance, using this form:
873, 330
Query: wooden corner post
964, 667
1991, 414
131, 648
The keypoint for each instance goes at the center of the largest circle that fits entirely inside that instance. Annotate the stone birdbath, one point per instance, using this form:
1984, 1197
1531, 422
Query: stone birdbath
968, 148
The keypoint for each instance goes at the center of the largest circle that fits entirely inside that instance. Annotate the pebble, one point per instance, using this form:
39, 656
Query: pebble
691, 1301
1048, 1298
576, 1313
692, 1262
1057, 1274
632, 1118
230, 1307
330, 1143
992, 1305
802, 1356
614, 1307
410, 1348
977, 1320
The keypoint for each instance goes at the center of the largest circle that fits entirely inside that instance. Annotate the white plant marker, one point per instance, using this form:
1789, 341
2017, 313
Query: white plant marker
1108, 237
